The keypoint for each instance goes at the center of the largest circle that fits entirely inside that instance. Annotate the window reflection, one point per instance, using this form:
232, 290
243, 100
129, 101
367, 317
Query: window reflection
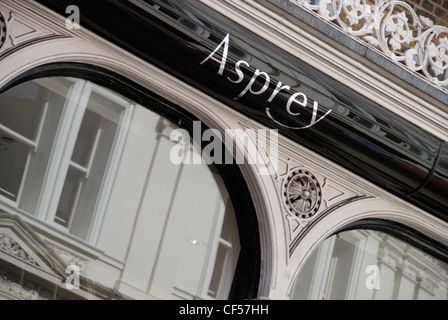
90, 172
370, 265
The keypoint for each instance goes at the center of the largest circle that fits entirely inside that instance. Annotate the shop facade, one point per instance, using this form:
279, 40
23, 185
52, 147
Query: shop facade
220, 149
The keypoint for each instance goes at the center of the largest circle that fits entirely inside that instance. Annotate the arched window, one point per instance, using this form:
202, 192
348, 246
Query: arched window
368, 264
90, 171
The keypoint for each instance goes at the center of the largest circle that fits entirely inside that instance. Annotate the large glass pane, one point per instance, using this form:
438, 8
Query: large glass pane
371, 265
112, 208
29, 117
174, 245
21, 108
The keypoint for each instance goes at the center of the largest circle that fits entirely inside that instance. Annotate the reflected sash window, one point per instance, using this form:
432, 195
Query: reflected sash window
370, 265
59, 139
94, 169
29, 117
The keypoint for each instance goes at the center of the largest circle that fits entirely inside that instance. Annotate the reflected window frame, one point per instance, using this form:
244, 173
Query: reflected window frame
48, 192
245, 283
357, 237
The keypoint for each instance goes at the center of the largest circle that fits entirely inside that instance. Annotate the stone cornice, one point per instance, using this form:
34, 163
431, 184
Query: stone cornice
394, 28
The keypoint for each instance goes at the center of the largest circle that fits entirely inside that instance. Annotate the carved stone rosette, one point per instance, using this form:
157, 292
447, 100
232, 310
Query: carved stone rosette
309, 194
303, 194
302, 197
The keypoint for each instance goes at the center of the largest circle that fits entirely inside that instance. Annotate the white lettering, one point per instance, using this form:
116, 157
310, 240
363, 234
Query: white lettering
257, 73
241, 146
239, 72
72, 281
248, 148
293, 99
178, 152
267, 81
373, 280
72, 22
212, 152
277, 89
196, 310
313, 119
224, 42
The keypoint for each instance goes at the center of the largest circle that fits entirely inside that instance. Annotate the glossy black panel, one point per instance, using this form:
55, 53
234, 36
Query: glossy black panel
435, 190
179, 36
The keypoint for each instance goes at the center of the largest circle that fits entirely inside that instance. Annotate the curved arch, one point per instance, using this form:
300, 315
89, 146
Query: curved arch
354, 212
127, 74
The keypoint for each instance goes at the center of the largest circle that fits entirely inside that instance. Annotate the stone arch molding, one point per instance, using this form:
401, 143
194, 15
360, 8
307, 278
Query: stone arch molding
288, 231
340, 198
330, 222
36, 36
20, 27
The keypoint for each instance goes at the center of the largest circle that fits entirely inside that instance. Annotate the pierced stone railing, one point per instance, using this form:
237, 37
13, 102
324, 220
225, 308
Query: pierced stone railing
394, 28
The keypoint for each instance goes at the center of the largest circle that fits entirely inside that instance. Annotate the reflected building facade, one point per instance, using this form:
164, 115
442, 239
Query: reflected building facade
319, 169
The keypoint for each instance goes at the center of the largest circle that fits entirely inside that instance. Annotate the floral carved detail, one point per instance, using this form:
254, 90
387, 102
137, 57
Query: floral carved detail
10, 246
15, 288
394, 28
303, 194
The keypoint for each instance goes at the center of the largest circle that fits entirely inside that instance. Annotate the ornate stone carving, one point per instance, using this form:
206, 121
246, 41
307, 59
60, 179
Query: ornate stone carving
394, 28
13, 287
303, 193
20, 27
308, 194
10, 246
